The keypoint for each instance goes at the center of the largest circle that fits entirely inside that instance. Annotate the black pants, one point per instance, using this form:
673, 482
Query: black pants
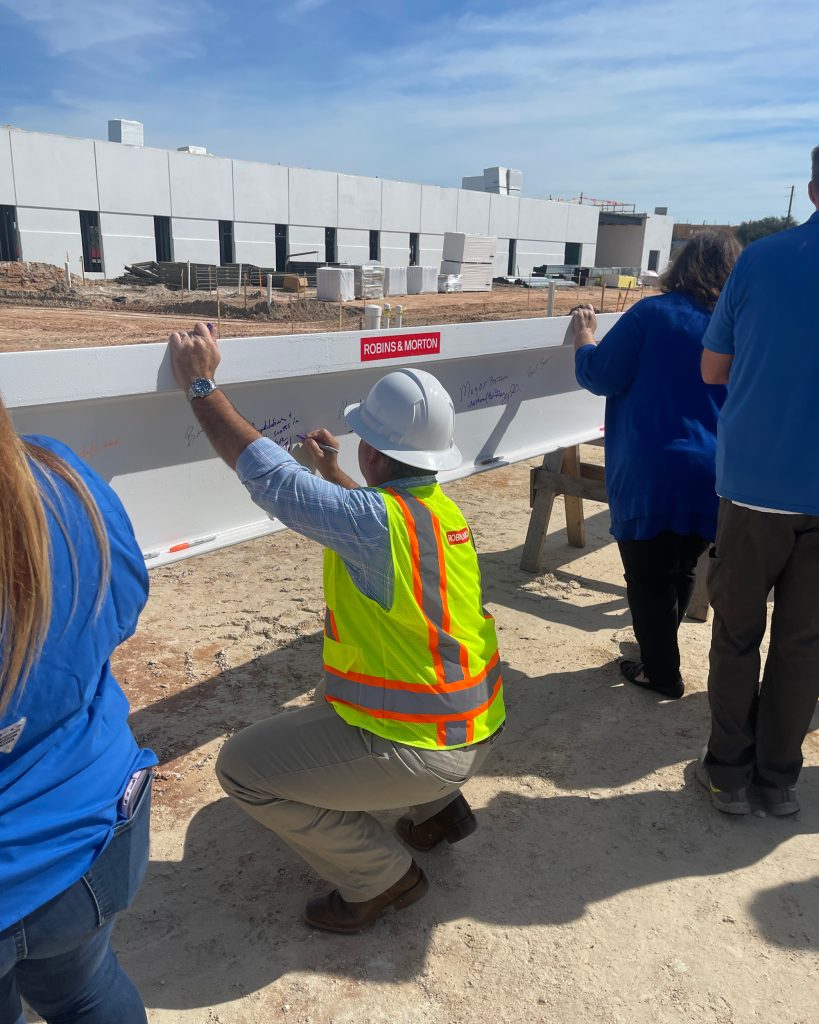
757, 729
659, 583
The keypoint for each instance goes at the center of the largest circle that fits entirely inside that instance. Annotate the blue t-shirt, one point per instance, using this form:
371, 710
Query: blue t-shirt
766, 319
661, 419
66, 752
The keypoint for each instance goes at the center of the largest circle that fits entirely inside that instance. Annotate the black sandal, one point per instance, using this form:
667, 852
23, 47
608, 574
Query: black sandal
632, 669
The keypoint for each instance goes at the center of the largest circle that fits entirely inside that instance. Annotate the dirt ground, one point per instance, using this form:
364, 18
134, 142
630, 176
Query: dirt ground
37, 311
601, 887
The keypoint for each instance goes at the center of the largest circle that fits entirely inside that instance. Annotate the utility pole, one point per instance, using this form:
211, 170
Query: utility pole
790, 206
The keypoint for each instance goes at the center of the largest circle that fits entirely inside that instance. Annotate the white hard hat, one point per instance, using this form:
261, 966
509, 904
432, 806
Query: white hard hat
408, 415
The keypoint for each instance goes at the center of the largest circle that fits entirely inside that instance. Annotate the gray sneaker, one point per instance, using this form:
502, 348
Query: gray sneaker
780, 802
734, 801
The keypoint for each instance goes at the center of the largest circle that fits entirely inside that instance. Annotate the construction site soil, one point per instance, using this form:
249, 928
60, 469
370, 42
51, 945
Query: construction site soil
601, 886
37, 310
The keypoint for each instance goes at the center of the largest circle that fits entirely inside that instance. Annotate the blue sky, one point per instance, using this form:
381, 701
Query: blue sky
709, 107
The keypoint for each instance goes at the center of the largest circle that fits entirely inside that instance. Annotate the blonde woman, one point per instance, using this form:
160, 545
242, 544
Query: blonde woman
74, 786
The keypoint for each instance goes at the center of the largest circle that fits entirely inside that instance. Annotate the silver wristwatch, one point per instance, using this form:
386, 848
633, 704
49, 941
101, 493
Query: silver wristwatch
201, 388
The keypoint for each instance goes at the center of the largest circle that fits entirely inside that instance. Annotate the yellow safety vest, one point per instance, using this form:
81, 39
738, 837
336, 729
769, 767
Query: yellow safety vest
426, 672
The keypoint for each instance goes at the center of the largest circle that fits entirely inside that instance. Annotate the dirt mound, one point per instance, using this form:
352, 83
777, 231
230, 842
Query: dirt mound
31, 277
298, 311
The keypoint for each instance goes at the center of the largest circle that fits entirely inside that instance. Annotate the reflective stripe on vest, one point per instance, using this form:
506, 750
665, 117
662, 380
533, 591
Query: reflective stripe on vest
410, 702
429, 584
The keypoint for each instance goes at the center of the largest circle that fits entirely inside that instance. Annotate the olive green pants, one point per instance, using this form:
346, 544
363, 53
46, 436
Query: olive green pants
311, 778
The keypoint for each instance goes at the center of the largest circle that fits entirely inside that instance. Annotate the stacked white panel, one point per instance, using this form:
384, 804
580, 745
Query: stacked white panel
335, 284
369, 281
422, 280
395, 280
475, 277
464, 248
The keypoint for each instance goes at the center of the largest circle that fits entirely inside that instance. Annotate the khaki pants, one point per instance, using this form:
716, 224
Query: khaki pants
310, 777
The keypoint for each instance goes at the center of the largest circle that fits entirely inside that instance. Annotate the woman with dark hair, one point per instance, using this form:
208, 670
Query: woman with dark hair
661, 435
74, 785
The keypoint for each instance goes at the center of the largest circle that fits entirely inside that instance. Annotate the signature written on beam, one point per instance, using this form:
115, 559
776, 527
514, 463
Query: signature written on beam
94, 448
277, 428
489, 390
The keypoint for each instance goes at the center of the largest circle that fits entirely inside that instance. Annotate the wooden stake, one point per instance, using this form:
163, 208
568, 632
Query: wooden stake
602, 296
218, 309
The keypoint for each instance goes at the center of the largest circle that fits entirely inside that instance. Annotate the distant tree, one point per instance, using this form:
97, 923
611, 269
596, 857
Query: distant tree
750, 230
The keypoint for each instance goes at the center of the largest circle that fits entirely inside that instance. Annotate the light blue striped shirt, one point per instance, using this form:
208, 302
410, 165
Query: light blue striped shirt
351, 523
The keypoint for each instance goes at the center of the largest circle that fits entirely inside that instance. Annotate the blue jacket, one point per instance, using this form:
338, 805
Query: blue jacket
63, 775
661, 419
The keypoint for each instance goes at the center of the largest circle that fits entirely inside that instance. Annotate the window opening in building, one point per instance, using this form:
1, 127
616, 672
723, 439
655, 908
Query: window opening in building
513, 255
653, 259
414, 246
330, 245
281, 247
91, 241
9, 247
162, 236
375, 245
572, 254
225, 242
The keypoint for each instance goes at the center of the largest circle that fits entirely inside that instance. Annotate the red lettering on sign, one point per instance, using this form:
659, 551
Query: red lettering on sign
398, 346
458, 536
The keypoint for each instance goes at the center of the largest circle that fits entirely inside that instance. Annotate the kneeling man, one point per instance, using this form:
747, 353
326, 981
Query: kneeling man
412, 698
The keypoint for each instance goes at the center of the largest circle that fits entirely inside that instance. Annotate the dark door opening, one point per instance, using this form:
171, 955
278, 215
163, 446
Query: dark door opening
91, 241
330, 245
375, 246
162, 236
572, 254
281, 247
225, 242
414, 246
9, 248
653, 259
513, 251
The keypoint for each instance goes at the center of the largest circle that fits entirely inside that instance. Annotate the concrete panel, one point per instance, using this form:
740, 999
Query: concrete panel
582, 224
620, 245
195, 240
439, 209
359, 203
395, 248
501, 258
658, 232
133, 180
47, 235
201, 187
530, 254
308, 240
400, 206
7, 194
473, 212
313, 198
353, 246
543, 219
126, 238
54, 172
260, 193
504, 213
431, 250
254, 243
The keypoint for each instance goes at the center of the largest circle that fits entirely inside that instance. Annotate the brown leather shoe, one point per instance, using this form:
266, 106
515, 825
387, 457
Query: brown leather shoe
455, 822
332, 913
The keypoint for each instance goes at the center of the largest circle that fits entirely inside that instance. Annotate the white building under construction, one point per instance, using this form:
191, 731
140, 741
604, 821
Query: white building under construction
102, 205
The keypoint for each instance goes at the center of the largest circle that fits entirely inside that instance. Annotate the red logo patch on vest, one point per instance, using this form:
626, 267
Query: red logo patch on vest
458, 536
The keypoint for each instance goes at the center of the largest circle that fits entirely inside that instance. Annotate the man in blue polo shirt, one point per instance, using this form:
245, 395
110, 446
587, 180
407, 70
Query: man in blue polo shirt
763, 342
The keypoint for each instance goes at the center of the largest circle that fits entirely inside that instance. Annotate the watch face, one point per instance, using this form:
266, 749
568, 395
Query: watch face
201, 387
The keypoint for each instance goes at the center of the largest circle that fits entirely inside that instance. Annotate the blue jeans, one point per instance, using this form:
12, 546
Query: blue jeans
59, 958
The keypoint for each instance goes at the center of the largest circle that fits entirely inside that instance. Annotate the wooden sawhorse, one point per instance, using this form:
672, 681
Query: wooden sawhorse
562, 473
